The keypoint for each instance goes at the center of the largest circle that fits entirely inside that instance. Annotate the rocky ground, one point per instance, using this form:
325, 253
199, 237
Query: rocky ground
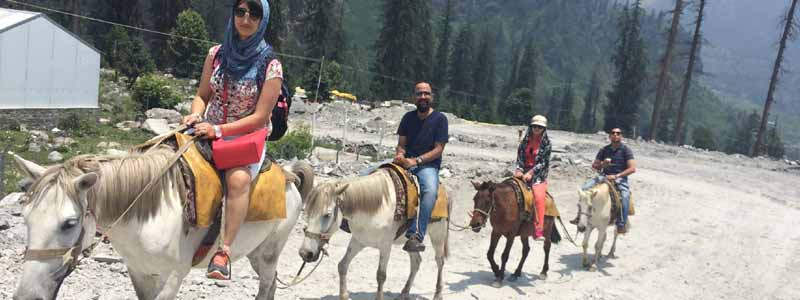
708, 225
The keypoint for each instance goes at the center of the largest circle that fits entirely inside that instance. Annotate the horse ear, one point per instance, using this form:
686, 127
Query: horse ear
594, 193
476, 184
85, 181
30, 169
341, 187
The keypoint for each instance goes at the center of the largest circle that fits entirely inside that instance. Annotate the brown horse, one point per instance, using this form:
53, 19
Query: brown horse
498, 203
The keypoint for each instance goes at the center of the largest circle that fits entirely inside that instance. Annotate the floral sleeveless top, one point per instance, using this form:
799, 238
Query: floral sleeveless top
243, 94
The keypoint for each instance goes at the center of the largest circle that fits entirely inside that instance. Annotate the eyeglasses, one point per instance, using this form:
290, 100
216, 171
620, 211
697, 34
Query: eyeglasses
254, 14
616, 133
423, 93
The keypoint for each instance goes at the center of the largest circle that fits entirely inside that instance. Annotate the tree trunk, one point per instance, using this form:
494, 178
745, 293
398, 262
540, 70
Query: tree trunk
687, 79
758, 146
665, 64
75, 24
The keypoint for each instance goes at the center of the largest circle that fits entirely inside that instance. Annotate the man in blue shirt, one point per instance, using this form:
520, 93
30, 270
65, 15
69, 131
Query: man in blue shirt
615, 162
422, 137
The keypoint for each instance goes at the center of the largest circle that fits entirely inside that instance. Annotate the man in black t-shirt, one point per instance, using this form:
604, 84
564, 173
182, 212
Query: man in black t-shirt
615, 162
422, 137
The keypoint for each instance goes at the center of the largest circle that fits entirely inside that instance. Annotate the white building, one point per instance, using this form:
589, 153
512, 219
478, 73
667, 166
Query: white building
43, 65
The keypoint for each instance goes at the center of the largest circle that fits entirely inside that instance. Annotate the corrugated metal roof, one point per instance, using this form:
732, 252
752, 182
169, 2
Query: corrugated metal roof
10, 18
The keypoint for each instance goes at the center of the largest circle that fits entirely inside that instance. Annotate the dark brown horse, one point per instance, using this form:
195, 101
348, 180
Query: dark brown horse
498, 203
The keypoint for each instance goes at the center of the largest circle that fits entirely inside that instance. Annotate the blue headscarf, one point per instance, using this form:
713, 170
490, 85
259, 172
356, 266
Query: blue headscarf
245, 58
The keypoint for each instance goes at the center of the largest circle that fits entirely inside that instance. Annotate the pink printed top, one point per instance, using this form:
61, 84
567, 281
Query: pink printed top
243, 94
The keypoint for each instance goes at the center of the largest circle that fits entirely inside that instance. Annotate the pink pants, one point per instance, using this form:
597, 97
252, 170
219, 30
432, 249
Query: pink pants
539, 194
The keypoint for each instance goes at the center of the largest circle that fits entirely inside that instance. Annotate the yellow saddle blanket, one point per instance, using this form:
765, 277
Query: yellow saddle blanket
527, 196
411, 192
267, 191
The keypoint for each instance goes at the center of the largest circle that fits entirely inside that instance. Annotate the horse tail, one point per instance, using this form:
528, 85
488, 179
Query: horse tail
555, 236
305, 175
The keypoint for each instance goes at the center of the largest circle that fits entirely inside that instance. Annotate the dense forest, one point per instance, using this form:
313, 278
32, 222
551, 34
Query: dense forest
587, 65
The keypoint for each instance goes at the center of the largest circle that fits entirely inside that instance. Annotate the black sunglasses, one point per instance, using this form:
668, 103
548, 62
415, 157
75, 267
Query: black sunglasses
616, 133
254, 14
537, 127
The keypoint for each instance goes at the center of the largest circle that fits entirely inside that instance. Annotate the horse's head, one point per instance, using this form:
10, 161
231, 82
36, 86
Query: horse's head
585, 208
483, 204
59, 227
322, 218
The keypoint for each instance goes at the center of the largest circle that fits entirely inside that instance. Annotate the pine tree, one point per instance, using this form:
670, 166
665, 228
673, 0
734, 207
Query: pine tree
529, 68
775, 147
663, 77
188, 55
554, 108
690, 69
703, 138
129, 56
484, 75
588, 122
318, 29
744, 136
277, 29
461, 79
625, 97
443, 51
566, 118
788, 33
403, 48
517, 107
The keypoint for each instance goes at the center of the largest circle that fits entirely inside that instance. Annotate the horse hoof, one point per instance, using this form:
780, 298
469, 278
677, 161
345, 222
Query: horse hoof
344, 297
543, 276
592, 269
513, 278
611, 256
497, 284
404, 297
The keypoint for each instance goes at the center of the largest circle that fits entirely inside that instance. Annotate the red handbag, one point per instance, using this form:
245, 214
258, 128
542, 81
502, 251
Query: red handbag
241, 151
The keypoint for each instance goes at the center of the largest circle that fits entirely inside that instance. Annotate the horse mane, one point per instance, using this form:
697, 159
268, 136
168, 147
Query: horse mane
363, 194
120, 180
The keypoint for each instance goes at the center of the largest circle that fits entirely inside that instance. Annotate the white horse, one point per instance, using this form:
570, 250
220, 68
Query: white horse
594, 212
368, 203
66, 201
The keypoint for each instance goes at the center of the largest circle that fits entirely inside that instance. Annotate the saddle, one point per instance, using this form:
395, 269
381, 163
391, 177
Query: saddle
205, 189
616, 201
525, 195
407, 192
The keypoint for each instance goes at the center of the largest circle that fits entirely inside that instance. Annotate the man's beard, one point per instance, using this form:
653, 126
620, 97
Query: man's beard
423, 106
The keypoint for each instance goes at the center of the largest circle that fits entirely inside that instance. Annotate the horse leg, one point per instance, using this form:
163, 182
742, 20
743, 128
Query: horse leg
586, 235
264, 260
383, 263
504, 258
170, 284
416, 260
549, 226
613, 246
143, 284
439, 239
490, 255
598, 248
526, 248
352, 249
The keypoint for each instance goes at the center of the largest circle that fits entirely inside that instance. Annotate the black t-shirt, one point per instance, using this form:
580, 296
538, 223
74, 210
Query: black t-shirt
619, 158
421, 135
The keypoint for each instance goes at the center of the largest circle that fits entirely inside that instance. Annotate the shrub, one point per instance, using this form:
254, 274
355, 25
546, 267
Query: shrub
295, 144
78, 124
154, 91
703, 138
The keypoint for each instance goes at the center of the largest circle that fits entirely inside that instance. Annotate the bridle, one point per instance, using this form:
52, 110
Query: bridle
485, 213
324, 236
70, 257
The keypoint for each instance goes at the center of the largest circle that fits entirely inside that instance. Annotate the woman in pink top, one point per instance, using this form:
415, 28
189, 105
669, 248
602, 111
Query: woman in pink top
246, 69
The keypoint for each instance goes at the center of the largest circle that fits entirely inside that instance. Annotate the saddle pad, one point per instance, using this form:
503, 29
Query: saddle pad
208, 186
268, 196
550, 208
412, 193
616, 199
527, 194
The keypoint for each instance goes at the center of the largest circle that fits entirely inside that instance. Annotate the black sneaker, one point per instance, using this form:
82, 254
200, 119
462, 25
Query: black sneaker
413, 244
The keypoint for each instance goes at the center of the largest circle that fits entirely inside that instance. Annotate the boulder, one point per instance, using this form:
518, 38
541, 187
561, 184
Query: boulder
11, 199
171, 116
34, 147
63, 142
128, 125
157, 126
104, 121
55, 156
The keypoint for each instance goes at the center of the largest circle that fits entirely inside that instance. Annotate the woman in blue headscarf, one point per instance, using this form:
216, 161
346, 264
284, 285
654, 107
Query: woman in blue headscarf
240, 85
